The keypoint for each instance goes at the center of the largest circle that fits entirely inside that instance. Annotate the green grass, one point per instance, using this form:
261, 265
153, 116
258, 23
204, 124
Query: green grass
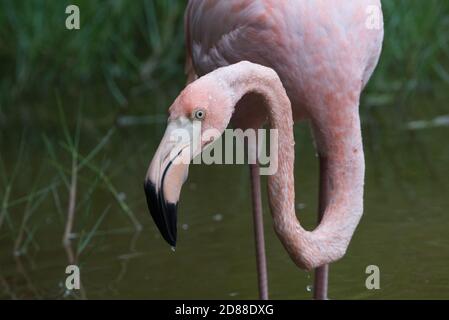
415, 61
58, 184
126, 48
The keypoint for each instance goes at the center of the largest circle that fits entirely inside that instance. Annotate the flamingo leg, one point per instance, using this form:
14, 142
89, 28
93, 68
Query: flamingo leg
261, 260
321, 273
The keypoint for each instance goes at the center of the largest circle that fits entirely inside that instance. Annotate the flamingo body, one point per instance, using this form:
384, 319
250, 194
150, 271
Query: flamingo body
322, 50
323, 53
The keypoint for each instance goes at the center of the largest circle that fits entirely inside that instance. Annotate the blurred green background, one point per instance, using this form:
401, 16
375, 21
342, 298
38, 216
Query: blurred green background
82, 111
132, 50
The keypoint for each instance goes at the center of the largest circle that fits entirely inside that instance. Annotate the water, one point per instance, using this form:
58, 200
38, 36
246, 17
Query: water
404, 230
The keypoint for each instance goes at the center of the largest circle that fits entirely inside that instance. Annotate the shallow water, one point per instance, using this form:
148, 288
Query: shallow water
404, 229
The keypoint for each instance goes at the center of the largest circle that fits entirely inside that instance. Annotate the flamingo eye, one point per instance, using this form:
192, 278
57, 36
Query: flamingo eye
199, 114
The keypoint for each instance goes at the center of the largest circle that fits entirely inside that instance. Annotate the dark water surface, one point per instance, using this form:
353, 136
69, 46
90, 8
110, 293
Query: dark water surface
404, 230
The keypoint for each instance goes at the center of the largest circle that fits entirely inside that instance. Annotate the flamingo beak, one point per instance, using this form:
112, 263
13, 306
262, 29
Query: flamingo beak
165, 176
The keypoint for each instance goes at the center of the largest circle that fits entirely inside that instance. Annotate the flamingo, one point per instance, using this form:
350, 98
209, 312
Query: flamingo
250, 62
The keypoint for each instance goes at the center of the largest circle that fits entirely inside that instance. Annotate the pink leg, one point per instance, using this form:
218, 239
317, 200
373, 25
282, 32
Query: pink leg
261, 260
321, 273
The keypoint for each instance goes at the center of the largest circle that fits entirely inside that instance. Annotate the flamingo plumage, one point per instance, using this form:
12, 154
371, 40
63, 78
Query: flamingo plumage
323, 52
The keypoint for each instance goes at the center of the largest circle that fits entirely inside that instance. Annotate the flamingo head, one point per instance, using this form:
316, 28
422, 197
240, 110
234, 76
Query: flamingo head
203, 107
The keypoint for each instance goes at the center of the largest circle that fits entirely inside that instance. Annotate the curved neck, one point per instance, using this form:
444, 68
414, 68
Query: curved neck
329, 241
265, 82
245, 78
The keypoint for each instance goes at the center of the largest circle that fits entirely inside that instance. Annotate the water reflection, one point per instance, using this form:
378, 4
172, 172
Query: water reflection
403, 231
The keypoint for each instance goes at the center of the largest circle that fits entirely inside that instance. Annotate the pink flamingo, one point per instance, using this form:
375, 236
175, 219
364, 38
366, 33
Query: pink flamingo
324, 53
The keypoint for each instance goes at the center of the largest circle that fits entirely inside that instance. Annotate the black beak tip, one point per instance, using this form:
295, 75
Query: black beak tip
164, 213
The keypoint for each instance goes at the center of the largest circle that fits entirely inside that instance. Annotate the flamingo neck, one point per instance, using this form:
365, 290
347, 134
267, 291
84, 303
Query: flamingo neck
307, 249
281, 190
